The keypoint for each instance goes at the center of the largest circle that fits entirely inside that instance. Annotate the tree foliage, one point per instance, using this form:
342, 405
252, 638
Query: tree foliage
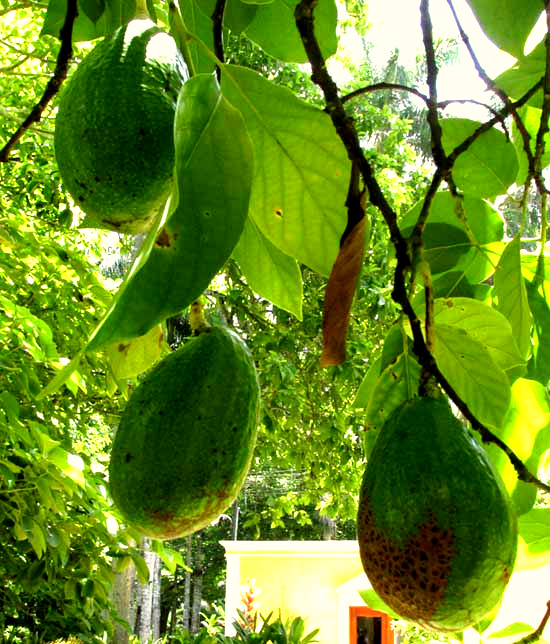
337, 230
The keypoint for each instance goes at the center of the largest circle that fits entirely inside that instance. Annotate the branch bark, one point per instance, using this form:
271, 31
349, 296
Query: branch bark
54, 84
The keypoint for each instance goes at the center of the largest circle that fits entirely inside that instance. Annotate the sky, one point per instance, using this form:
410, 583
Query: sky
396, 24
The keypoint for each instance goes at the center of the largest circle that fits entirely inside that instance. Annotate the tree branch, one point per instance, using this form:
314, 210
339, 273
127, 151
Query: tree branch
60, 74
537, 633
217, 29
346, 130
343, 124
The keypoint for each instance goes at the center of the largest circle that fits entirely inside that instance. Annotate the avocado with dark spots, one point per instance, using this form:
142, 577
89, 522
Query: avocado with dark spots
436, 530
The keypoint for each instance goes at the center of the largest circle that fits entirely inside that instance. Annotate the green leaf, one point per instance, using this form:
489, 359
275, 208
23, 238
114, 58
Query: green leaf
367, 385
372, 600
141, 568
114, 14
512, 631
37, 539
509, 24
488, 167
302, 169
199, 23
539, 365
268, 271
484, 324
214, 167
510, 296
274, 30
129, 359
524, 75
472, 373
534, 542
170, 558
70, 464
448, 245
526, 431
397, 383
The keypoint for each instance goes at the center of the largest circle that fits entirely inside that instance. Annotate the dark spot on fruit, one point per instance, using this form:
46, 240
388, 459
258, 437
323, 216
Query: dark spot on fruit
410, 576
142, 132
128, 458
97, 179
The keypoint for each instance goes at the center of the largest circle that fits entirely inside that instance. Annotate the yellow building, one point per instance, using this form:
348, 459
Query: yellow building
320, 580
316, 580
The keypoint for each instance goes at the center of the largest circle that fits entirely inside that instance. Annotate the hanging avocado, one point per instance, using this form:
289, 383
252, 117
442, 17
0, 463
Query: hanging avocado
436, 531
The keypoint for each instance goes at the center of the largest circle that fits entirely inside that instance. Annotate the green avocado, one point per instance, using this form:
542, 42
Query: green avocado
186, 438
437, 534
114, 141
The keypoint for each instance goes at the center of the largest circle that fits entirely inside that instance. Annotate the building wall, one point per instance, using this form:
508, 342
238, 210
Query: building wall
300, 578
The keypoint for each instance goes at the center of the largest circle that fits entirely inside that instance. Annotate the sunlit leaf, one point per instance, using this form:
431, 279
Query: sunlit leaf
274, 29
472, 373
510, 296
301, 169
534, 542
128, 359
447, 243
488, 167
526, 431
522, 14
268, 271
527, 72
484, 324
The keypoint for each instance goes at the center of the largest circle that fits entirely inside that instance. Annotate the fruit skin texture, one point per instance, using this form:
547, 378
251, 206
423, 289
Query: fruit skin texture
436, 530
186, 438
114, 127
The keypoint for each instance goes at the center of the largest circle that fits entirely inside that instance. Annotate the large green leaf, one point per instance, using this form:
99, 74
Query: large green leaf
213, 173
447, 243
301, 169
274, 29
507, 23
510, 295
472, 372
268, 271
524, 75
488, 167
526, 431
486, 325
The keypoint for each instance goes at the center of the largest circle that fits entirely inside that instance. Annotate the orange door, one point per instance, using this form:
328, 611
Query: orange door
368, 626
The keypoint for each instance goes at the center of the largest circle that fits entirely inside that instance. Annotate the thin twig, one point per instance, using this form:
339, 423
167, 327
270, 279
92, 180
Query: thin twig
537, 633
384, 86
60, 73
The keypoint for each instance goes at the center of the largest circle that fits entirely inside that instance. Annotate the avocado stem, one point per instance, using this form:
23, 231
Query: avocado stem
198, 322
141, 10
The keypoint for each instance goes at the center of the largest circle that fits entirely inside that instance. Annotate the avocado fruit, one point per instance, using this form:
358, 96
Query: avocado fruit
114, 141
436, 530
186, 438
